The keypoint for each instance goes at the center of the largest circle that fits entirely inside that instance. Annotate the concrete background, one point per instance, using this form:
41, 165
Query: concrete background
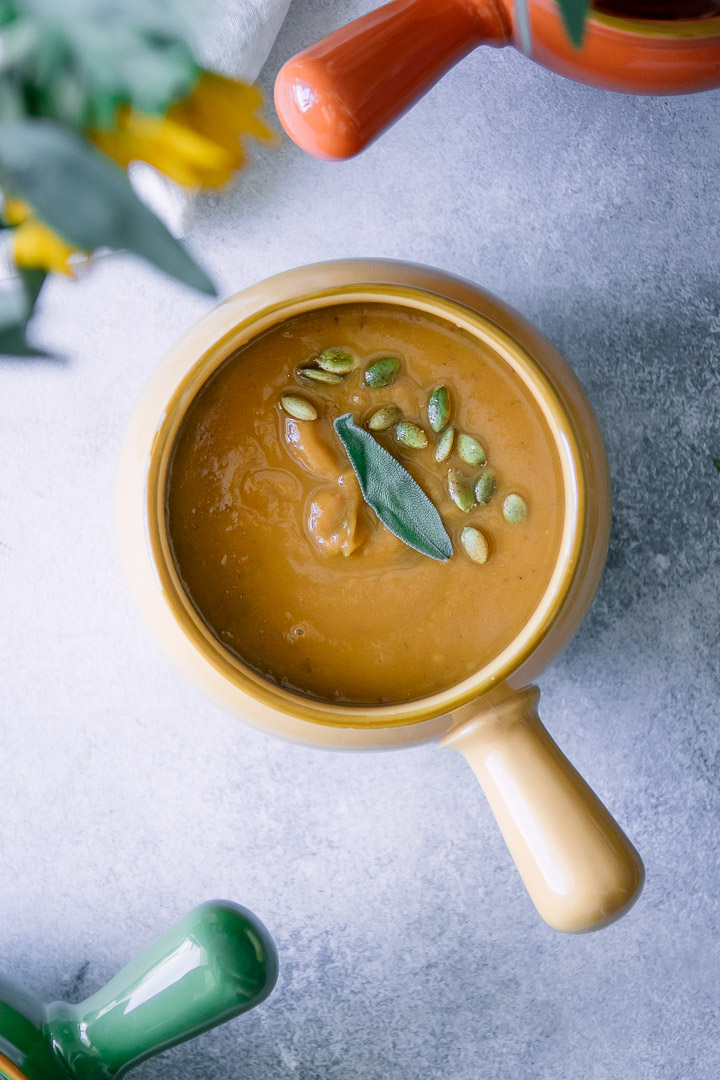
408, 947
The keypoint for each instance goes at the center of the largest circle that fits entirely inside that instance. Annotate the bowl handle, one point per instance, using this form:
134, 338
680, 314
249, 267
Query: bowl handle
215, 963
580, 869
338, 95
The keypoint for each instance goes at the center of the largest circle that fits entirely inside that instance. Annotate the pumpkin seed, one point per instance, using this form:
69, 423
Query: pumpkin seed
298, 407
410, 435
475, 544
382, 372
336, 361
384, 418
438, 408
461, 491
470, 450
485, 487
318, 375
444, 444
514, 509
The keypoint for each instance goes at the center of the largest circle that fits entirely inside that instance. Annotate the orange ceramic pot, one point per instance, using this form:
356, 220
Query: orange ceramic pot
335, 97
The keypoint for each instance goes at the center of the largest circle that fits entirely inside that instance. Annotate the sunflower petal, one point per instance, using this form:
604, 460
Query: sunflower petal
15, 211
36, 246
185, 156
224, 110
199, 142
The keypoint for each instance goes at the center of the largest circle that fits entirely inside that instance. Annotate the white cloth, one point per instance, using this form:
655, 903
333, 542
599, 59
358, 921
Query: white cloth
234, 38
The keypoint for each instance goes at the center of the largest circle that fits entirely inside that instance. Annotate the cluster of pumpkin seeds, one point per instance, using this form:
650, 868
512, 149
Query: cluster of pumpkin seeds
330, 369
334, 365
379, 375
382, 373
465, 492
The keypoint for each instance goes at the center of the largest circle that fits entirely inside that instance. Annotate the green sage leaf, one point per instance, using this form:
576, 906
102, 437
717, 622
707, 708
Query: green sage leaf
86, 198
397, 499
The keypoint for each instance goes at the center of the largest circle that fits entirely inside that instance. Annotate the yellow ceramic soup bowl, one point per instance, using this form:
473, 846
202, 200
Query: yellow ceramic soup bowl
578, 866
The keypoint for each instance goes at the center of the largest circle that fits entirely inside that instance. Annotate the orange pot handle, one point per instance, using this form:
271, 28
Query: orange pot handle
337, 96
578, 865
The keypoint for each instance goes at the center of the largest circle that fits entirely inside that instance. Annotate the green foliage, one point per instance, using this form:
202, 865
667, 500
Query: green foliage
17, 300
66, 67
574, 13
78, 61
86, 198
14, 304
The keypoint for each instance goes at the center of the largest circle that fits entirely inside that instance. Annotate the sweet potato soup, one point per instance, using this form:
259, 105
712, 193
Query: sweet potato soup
275, 516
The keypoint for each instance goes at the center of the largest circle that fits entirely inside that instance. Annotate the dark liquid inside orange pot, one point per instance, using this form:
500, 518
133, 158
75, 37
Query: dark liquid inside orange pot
647, 9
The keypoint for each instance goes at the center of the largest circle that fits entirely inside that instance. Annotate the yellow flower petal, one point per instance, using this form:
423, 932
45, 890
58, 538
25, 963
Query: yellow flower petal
176, 150
223, 109
15, 211
37, 247
198, 143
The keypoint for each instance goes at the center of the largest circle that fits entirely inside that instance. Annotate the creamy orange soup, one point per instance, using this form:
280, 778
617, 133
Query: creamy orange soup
291, 569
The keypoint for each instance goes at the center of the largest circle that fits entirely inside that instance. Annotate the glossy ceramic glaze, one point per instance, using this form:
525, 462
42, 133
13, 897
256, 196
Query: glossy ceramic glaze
335, 97
468, 714
216, 963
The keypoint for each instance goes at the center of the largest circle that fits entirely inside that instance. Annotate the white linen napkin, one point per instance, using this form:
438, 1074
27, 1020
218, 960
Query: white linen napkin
234, 38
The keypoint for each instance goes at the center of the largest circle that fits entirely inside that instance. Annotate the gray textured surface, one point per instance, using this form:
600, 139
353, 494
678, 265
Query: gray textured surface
408, 947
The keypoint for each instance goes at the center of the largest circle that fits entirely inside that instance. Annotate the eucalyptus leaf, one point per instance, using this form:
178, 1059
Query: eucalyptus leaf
18, 295
12, 104
574, 13
14, 304
14, 343
79, 60
33, 281
87, 199
397, 499
17, 300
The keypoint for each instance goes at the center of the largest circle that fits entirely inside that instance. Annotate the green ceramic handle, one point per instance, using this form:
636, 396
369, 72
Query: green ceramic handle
217, 962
